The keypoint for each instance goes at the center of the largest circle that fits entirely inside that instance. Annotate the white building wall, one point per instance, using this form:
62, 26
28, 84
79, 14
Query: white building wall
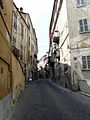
73, 44
80, 43
64, 35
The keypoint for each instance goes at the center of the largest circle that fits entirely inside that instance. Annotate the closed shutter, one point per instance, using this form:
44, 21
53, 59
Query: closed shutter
84, 64
88, 61
82, 2
83, 25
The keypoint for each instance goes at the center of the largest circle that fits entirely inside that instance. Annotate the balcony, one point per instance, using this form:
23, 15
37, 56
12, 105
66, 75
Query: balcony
15, 51
56, 39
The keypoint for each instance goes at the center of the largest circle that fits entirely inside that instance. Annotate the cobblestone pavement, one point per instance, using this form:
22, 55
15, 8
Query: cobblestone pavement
44, 100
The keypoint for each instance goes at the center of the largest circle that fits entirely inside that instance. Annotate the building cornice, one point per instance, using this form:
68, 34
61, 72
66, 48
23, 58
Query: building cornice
20, 14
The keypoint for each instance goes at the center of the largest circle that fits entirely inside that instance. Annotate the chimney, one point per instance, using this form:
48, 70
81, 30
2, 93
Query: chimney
21, 9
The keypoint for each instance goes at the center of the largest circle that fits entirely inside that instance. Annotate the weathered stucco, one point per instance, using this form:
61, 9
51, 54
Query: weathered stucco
5, 52
18, 78
72, 44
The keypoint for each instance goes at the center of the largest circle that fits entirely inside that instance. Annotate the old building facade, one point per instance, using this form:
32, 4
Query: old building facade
16, 37
33, 54
32, 47
72, 20
26, 41
5, 57
20, 36
43, 67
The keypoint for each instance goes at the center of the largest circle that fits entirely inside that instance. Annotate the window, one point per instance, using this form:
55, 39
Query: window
14, 41
80, 2
15, 21
21, 47
28, 55
29, 26
83, 25
1, 4
86, 62
21, 52
29, 41
22, 30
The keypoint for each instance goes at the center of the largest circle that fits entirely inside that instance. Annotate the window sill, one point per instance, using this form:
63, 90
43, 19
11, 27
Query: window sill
85, 69
78, 6
84, 32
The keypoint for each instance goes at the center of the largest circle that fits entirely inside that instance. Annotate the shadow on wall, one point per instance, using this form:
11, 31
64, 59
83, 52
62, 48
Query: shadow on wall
62, 74
44, 72
65, 76
41, 73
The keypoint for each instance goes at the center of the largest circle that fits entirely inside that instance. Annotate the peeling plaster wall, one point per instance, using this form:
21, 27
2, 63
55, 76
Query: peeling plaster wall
18, 78
79, 43
5, 52
64, 35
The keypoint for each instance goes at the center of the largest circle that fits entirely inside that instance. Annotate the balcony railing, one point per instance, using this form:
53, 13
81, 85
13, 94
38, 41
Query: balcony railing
15, 51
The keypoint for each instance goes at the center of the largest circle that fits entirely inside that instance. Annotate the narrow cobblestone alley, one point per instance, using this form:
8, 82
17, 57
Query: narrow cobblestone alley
44, 100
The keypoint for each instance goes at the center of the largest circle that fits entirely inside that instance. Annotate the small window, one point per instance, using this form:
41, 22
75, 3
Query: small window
15, 21
28, 55
83, 25
80, 2
29, 41
86, 62
21, 47
22, 30
1, 4
21, 52
14, 41
29, 26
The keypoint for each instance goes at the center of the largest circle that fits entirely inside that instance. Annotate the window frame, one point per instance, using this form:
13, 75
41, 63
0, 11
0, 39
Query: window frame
80, 3
83, 25
1, 4
15, 21
22, 30
14, 41
87, 62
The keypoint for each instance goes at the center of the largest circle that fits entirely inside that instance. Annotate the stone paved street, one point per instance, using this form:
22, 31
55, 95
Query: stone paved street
44, 100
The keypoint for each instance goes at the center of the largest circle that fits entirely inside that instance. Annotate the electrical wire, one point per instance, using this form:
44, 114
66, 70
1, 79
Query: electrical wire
79, 41
76, 56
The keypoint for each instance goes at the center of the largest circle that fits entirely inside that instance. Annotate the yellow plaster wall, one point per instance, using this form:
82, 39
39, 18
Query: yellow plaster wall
5, 29
5, 85
4, 45
5, 33
18, 78
7, 13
